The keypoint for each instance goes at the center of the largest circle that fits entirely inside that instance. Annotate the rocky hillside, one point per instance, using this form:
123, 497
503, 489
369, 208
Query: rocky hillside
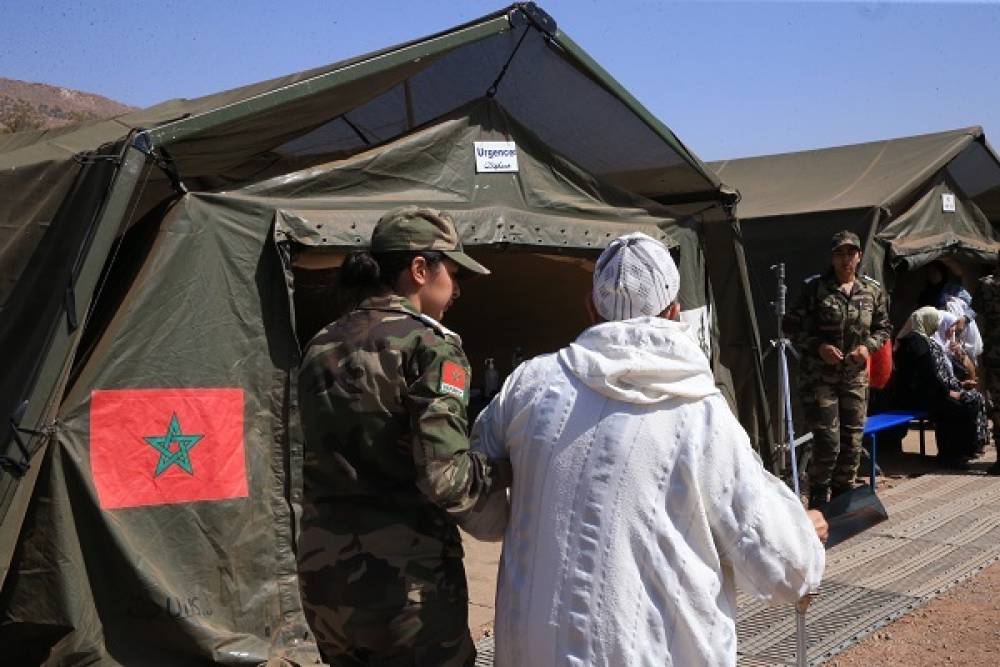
37, 106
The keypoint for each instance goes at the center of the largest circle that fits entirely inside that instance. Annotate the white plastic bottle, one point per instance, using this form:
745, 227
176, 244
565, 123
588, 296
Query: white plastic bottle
491, 379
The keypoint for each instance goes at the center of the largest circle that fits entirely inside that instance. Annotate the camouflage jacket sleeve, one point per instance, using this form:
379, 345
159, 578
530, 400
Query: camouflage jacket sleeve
799, 324
448, 473
881, 328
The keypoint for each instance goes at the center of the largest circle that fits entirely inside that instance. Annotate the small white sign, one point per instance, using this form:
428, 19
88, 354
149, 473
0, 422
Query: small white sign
948, 202
496, 156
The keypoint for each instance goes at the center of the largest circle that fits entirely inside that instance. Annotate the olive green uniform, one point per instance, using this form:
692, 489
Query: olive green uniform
387, 474
835, 396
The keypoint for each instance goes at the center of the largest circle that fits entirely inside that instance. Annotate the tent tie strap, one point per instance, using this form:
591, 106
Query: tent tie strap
17, 432
161, 158
9, 462
357, 130
94, 158
492, 90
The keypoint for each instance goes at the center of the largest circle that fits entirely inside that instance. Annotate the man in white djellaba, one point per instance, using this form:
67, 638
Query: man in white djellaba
637, 502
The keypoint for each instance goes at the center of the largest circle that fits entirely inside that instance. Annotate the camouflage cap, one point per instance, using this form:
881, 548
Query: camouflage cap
845, 238
412, 228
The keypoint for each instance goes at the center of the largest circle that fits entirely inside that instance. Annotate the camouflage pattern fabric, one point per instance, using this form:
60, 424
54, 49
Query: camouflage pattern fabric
835, 396
387, 474
413, 228
836, 414
986, 303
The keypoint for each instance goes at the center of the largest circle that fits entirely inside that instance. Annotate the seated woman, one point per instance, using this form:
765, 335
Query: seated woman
924, 376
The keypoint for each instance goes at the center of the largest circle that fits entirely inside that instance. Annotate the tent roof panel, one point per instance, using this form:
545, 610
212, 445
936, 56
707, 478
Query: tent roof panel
536, 66
878, 173
549, 200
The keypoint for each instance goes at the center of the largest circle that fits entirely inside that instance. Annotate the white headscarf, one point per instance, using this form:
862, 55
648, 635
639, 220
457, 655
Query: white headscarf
970, 338
941, 334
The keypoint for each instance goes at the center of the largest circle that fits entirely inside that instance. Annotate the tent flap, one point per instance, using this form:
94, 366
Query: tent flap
927, 230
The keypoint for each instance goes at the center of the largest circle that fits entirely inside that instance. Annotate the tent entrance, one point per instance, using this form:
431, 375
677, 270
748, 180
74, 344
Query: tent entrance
532, 301
908, 284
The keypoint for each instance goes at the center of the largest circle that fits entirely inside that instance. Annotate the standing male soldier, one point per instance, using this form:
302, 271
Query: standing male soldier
839, 319
987, 306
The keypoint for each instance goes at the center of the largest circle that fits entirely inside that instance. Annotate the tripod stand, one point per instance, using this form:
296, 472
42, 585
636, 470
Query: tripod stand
783, 346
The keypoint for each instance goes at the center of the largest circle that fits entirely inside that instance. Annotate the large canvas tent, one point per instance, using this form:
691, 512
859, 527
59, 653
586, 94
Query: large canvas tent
176, 258
894, 194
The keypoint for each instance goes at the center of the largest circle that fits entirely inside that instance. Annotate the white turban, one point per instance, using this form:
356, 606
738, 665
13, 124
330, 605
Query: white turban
635, 276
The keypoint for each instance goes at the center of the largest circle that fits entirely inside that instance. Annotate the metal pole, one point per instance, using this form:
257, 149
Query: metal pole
784, 388
785, 406
801, 639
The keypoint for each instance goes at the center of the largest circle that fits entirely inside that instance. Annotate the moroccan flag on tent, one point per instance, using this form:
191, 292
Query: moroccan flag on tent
161, 446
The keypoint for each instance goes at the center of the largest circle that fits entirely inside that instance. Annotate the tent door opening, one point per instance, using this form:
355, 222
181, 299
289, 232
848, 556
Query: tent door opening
531, 304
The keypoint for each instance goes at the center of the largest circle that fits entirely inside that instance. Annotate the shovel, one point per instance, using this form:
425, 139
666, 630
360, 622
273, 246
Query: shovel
852, 513
847, 515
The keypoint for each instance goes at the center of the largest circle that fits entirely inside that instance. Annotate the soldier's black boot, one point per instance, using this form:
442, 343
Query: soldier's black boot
818, 497
995, 468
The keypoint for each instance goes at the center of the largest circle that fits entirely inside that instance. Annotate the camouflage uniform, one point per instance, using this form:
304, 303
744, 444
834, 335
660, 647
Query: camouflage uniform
987, 306
387, 474
835, 397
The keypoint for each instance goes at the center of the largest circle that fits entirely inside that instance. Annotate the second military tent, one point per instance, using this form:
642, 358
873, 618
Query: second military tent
910, 200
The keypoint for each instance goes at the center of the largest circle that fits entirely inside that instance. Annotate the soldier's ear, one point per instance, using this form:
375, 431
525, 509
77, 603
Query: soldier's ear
419, 270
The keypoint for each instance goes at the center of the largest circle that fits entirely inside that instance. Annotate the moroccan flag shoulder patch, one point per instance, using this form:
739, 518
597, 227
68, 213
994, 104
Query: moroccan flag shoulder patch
164, 446
454, 378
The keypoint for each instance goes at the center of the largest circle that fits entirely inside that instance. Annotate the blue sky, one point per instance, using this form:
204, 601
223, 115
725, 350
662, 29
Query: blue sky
731, 79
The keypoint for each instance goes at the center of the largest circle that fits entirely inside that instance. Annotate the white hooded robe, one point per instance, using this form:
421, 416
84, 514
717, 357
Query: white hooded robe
637, 503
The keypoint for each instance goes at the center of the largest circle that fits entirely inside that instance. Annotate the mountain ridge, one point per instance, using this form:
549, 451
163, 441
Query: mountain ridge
26, 105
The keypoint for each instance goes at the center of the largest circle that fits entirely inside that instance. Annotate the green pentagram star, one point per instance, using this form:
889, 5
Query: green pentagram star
168, 458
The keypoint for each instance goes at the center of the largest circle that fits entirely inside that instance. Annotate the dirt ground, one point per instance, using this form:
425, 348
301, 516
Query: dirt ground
962, 627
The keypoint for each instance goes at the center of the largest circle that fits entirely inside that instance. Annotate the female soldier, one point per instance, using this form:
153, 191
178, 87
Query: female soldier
387, 471
839, 319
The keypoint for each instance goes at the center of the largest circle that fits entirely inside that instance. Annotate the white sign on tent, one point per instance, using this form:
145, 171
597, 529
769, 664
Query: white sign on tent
496, 156
948, 202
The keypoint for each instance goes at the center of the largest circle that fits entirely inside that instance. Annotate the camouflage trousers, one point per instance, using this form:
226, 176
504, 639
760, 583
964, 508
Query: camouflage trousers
383, 611
835, 413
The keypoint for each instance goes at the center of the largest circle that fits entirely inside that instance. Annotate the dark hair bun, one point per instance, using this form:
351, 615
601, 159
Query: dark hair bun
359, 271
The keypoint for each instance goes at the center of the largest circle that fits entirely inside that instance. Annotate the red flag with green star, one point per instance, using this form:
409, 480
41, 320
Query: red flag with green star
162, 446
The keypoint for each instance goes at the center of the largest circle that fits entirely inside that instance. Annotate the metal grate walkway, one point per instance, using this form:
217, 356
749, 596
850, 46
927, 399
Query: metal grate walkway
941, 530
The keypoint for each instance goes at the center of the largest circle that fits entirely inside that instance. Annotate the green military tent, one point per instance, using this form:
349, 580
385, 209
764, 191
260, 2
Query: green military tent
160, 271
910, 200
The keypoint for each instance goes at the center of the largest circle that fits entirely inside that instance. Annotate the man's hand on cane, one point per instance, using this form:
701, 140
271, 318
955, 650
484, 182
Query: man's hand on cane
819, 524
